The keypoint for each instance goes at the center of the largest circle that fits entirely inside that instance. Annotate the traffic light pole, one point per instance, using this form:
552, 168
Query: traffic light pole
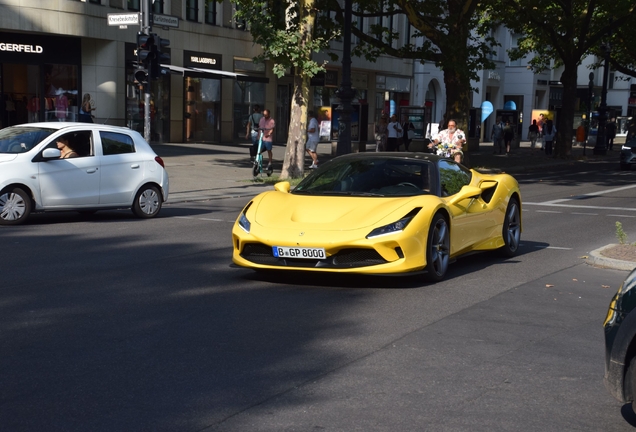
145, 29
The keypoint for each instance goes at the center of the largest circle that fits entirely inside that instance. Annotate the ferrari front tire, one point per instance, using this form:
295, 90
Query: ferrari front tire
511, 230
437, 249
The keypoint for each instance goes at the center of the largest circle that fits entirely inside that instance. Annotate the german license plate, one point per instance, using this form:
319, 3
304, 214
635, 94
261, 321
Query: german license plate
299, 252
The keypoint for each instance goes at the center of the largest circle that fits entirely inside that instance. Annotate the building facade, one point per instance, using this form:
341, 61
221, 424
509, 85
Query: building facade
54, 52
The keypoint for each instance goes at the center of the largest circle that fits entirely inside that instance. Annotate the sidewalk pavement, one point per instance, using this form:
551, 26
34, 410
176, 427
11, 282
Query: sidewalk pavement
201, 172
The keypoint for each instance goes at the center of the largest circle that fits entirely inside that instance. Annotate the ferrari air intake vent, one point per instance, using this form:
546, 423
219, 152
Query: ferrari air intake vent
357, 257
347, 258
259, 253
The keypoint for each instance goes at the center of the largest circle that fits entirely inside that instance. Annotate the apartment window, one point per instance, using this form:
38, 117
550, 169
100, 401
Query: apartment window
358, 22
157, 6
210, 12
192, 10
133, 5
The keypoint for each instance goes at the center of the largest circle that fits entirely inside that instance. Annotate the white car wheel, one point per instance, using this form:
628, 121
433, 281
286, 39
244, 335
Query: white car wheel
15, 206
147, 202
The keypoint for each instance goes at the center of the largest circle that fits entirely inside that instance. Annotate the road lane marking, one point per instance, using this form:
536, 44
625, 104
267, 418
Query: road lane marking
579, 206
210, 219
591, 194
547, 211
621, 215
587, 214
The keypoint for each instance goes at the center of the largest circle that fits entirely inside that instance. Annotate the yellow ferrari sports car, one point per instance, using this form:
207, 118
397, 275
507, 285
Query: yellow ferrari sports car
379, 213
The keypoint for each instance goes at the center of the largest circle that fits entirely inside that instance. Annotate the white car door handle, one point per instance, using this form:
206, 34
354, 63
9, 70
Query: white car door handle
134, 166
91, 170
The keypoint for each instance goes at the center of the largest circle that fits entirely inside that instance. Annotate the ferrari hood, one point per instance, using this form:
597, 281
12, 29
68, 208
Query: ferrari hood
284, 210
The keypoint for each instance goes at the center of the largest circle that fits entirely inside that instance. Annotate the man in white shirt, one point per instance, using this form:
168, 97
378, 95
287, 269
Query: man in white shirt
313, 137
394, 132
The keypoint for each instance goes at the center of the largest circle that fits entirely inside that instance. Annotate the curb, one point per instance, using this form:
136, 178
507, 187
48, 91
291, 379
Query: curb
597, 260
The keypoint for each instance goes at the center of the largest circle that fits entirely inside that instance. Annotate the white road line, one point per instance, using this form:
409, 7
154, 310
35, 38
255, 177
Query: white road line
554, 247
210, 219
587, 214
547, 211
579, 206
591, 194
183, 217
621, 215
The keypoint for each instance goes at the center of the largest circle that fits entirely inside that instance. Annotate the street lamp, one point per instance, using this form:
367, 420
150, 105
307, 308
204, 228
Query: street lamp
601, 137
345, 93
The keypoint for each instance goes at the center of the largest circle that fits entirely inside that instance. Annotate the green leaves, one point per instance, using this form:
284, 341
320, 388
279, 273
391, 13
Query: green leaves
285, 30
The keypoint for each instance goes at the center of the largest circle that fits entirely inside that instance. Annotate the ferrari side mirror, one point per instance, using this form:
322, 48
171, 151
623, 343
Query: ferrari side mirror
282, 187
465, 193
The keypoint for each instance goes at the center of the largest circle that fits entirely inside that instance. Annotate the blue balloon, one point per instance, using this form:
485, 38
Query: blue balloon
486, 110
510, 105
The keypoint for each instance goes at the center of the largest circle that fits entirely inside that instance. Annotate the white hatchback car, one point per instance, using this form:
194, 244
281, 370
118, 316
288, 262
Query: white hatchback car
114, 168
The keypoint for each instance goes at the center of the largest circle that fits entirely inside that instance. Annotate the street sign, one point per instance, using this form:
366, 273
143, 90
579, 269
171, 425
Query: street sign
122, 19
165, 20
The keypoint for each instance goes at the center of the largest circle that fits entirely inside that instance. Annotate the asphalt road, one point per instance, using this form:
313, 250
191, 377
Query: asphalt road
113, 323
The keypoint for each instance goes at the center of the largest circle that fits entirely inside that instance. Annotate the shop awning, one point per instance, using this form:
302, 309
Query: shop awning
212, 73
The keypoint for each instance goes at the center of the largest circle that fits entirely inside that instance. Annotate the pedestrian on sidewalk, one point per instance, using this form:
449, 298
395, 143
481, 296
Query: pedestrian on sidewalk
251, 130
497, 136
381, 134
509, 135
549, 132
313, 137
610, 133
267, 125
533, 133
394, 134
580, 134
408, 132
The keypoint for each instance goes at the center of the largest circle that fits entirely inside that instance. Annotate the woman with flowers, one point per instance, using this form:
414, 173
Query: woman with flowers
449, 142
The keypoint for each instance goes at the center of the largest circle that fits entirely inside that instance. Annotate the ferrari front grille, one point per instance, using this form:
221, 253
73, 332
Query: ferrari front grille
259, 253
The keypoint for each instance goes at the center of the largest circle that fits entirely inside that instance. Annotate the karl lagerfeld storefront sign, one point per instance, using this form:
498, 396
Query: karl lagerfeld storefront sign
202, 60
36, 49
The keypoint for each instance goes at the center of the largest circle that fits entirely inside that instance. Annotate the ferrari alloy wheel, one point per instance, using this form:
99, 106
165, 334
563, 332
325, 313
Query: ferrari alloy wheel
437, 249
147, 202
15, 206
512, 229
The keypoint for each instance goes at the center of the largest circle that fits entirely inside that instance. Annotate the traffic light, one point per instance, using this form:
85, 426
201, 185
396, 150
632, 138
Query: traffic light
159, 57
145, 49
141, 76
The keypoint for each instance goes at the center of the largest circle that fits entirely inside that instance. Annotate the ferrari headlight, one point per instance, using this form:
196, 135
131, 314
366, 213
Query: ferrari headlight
391, 228
244, 223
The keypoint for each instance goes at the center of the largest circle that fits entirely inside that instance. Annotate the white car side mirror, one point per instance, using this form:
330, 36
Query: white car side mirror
51, 153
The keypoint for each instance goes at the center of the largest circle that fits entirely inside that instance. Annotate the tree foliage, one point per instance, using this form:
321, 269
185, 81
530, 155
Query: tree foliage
452, 34
562, 33
286, 32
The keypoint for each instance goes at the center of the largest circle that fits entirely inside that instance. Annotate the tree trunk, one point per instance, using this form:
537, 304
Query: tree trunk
458, 92
293, 166
565, 127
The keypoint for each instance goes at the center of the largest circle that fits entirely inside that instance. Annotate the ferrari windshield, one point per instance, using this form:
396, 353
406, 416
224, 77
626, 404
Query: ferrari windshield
369, 177
19, 139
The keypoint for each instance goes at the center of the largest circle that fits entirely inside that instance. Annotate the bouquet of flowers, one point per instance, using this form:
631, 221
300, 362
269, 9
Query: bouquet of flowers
444, 149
